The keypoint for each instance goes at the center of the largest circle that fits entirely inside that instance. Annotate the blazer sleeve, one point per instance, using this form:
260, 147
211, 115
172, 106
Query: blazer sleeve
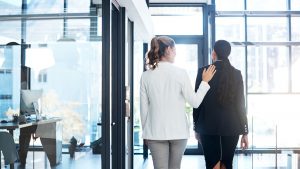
193, 98
144, 102
241, 104
196, 110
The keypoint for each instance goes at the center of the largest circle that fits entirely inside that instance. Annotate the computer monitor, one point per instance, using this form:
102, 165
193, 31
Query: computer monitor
30, 102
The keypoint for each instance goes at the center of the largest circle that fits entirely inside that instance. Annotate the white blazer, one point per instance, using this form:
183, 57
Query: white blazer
164, 92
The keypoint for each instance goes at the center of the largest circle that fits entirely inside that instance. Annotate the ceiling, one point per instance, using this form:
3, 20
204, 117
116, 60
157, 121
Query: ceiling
179, 1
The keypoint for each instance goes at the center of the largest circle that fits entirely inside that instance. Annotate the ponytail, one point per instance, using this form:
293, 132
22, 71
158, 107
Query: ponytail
227, 85
157, 50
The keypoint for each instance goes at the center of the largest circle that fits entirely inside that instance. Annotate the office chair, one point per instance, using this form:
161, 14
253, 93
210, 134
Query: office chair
8, 148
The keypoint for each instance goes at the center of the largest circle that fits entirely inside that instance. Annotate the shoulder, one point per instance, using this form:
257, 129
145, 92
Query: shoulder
237, 71
145, 74
202, 68
238, 75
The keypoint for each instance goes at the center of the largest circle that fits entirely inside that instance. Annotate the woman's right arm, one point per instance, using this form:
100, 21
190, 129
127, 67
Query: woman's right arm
195, 99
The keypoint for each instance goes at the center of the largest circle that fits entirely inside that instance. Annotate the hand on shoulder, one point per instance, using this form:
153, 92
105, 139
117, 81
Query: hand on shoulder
208, 73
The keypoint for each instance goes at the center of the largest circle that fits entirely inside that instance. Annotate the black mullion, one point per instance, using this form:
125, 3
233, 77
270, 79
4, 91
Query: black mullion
131, 84
106, 59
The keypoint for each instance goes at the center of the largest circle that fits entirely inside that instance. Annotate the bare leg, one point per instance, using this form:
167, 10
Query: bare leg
217, 166
223, 166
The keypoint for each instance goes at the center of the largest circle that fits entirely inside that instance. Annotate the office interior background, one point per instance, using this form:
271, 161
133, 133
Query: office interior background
88, 55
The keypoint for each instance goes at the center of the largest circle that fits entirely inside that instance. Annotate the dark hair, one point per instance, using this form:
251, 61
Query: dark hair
157, 50
12, 43
227, 84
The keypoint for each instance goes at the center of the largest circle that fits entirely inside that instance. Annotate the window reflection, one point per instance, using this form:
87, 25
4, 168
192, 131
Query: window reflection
44, 31
79, 6
10, 32
10, 7
267, 29
72, 89
268, 69
44, 6
78, 29
9, 80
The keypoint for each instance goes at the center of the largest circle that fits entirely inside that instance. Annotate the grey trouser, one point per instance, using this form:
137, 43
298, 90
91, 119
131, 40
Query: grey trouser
167, 154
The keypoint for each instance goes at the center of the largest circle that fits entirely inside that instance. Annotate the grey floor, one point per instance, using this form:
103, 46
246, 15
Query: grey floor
87, 160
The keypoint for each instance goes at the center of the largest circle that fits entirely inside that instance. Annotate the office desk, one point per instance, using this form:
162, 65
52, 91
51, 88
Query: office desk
50, 133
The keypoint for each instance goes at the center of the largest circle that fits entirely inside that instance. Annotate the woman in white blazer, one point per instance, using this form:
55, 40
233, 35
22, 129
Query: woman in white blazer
165, 89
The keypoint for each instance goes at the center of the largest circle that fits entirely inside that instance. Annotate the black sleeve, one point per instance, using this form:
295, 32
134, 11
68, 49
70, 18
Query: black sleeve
241, 104
198, 81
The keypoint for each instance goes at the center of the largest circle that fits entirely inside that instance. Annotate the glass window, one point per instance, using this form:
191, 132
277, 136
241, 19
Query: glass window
10, 32
274, 114
72, 89
267, 29
78, 6
268, 69
238, 59
177, 20
295, 5
78, 29
44, 6
295, 28
187, 59
227, 5
44, 31
230, 28
267, 5
10, 7
295, 69
138, 68
10, 78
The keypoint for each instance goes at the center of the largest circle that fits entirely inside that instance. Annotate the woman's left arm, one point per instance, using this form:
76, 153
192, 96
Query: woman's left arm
144, 102
242, 111
241, 103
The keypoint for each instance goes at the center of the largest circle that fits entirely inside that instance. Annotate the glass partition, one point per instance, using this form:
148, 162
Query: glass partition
63, 58
70, 77
10, 81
